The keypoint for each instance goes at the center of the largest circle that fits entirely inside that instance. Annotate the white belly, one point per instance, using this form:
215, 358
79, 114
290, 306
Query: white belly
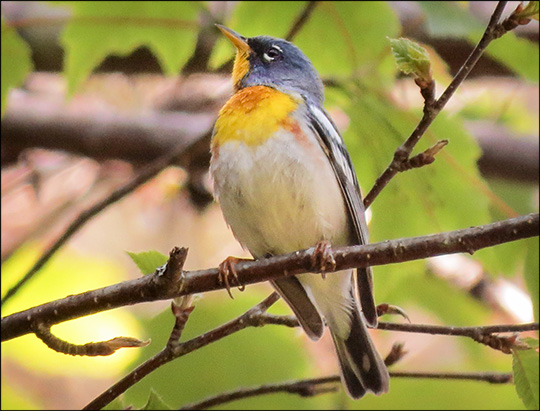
280, 196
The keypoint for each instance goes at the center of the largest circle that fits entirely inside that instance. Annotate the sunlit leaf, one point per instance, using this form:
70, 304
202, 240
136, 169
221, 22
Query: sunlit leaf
245, 19
343, 38
99, 29
155, 402
411, 58
148, 261
68, 273
530, 11
16, 61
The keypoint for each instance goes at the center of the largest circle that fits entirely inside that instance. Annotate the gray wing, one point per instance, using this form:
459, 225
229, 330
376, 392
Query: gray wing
334, 147
295, 295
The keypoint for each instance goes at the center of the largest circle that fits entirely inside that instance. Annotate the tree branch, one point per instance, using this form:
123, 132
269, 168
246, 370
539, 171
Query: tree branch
138, 139
314, 386
100, 348
176, 350
472, 332
433, 108
153, 287
257, 317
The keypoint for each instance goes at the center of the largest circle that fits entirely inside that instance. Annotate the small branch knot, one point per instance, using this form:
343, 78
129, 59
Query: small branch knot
501, 343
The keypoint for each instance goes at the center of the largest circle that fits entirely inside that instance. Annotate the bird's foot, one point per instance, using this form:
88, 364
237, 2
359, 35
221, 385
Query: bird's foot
323, 258
383, 309
227, 271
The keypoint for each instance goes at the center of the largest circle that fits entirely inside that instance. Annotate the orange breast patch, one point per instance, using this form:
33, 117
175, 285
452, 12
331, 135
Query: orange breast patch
252, 115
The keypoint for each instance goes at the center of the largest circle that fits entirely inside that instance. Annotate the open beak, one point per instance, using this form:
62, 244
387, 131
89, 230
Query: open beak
240, 42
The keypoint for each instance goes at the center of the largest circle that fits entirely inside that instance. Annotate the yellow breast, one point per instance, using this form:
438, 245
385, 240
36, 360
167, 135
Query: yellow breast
252, 115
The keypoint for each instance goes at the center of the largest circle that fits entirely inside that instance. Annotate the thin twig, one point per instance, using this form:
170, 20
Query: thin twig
432, 109
309, 387
256, 317
301, 20
151, 288
472, 332
457, 331
305, 388
173, 351
491, 377
146, 174
101, 348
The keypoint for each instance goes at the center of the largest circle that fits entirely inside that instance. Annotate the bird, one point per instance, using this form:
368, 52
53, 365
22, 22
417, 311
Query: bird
284, 180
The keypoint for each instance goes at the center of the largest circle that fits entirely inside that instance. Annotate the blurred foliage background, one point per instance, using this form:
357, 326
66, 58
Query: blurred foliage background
92, 91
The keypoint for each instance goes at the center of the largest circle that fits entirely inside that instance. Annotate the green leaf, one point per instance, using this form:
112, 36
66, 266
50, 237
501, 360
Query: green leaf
340, 38
116, 404
345, 38
411, 58
148, 261
155, 402
447, 195
531, 273
518, 54
99, 29
16, 61
525, 368
453, 20
246, 20
449, 19
530, 11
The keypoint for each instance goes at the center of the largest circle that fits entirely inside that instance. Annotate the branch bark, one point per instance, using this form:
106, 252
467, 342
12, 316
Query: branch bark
314, 386
257, 317
433, 107
175, 350
153, 287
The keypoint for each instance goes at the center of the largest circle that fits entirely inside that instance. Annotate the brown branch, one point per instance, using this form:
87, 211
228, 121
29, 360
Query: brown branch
312, 386
433, 108
138, 139
32, 123
153, 287
504, 343
257, 317
396, 354
173, 351
304, 388
101, 348
491, 377
472, 332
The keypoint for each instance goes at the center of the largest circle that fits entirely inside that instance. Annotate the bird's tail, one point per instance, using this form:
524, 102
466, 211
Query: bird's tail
362, 368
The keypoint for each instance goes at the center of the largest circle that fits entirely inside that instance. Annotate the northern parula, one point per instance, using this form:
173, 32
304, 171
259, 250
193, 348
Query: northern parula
284, 180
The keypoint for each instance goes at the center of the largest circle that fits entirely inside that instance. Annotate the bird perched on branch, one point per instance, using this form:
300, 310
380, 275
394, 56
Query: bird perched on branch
284, 180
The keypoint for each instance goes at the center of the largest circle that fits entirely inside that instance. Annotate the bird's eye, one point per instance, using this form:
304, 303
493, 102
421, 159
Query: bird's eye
272, 53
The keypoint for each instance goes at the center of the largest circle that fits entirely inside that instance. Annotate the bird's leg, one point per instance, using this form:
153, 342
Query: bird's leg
226, 270
323, 258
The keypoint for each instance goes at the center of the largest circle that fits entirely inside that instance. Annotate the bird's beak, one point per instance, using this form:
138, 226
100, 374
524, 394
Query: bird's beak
240, 42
